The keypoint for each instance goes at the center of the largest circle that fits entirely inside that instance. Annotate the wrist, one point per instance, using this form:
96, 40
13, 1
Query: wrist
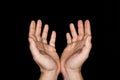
73, 74
49, 75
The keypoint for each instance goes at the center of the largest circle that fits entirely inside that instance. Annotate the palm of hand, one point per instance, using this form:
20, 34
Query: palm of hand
77, 49
45, 48
44, 54
49, 61
75, 57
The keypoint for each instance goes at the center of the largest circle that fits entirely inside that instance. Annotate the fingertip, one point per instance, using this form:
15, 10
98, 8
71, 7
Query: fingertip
87, 21
71, 23
39, 23
71, 26
39, 20
67, 34
46, 25
54, 32
79, 21
32, 22
68, 37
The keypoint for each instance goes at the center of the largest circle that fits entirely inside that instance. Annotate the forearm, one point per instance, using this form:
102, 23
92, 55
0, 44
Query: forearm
48, 75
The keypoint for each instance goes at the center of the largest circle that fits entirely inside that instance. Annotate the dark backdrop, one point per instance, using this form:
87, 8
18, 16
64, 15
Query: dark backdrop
61, 25
103, 60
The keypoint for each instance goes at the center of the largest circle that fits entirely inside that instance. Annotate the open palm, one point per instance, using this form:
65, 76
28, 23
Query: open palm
44, 54
78, 47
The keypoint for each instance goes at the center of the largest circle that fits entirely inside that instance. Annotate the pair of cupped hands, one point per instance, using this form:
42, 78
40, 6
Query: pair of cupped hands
73, 56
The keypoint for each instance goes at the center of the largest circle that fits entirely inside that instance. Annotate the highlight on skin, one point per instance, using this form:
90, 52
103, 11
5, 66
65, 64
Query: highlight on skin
73, 56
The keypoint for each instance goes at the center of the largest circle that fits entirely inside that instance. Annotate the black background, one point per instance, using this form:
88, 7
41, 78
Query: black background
103, 60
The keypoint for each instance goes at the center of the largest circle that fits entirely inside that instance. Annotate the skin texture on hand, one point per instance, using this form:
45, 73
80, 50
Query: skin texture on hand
73, 56
77, 51
44, 53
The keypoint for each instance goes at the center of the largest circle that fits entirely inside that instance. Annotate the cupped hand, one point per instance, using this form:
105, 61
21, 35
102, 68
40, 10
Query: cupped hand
78, 47
44, 53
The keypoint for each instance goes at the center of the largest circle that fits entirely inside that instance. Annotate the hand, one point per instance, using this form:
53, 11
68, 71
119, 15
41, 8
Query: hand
44, 54
77, 49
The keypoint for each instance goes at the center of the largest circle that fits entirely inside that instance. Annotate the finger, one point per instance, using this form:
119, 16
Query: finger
73, 32
87, 47
38, 29
32, 30
37, 56
53, 39
68, 37
33, 47
88, 41
80, 29
44, 34
87, 27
